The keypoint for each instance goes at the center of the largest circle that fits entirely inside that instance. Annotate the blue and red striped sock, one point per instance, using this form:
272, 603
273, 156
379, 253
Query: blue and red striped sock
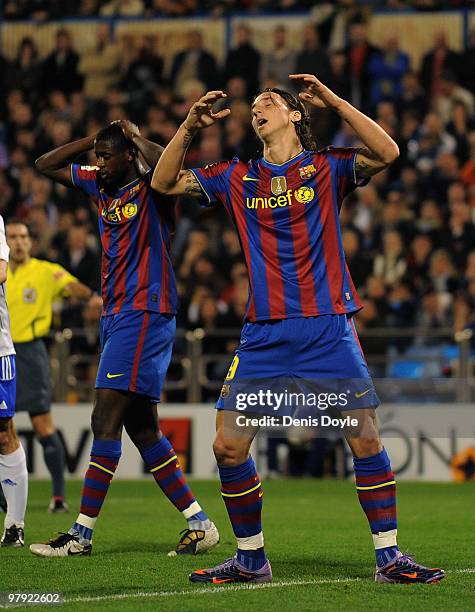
105, 455
160, 459
242, 493
376, 490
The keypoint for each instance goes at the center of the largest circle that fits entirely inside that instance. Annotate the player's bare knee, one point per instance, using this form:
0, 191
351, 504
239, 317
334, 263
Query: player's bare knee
103, 428
229, 452
7, 436
4, 441
143, 439
43, 425
367, 447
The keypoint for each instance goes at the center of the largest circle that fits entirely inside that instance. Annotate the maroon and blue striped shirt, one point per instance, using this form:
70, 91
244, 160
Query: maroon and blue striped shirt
135, 226
287, 219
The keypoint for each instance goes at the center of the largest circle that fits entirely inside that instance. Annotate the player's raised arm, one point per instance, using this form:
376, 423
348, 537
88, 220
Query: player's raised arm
56, 164
150, 151
380, 149
168, 176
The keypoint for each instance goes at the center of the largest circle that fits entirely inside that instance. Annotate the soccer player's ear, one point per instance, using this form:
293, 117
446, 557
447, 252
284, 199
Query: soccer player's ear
296, 116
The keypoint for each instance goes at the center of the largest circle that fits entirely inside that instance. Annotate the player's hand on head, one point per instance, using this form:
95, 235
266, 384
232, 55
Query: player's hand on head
201, 114
315, 92
130, 129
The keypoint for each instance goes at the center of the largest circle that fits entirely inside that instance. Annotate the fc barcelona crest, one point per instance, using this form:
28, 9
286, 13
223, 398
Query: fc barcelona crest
278, 185
307, 172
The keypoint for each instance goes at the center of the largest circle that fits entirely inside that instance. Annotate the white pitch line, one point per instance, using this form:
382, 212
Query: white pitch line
204, 591
223, 589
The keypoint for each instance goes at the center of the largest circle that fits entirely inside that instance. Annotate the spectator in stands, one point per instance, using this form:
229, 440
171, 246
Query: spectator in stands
176, 8
430, 221
418, 260
374, 345
125, 8
277, 64
243, 60
442, 272
450, 93
431, 141
460, 236
198, 244
376, 291
79, 259
413, 97
467, 76
144, 73
358, 262
194, 63
459, 126
435, 314
391, 264
386, 69
60, 68
26, 73
367, 215
88, 8
359, 54
338, 81
313, 59
438, 59
100, 65
467, 173
401, 310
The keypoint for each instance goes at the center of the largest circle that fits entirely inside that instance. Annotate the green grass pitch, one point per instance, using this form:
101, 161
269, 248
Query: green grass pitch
316, 536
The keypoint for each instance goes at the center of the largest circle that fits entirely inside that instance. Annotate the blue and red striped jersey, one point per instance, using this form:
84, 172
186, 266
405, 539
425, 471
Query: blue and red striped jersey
287, 219
135, 226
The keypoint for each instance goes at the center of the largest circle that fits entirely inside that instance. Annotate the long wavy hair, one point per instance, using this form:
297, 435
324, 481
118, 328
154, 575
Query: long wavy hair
302, 127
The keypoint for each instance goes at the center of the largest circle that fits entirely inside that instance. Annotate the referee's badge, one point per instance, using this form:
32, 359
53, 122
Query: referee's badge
29, 295
278, 185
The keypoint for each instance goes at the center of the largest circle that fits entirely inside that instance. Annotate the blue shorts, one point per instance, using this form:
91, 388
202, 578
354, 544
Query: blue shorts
7, 386
136, 351
310, 353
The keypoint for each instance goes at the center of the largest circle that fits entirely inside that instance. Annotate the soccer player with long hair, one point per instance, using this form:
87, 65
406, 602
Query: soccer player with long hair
285, 207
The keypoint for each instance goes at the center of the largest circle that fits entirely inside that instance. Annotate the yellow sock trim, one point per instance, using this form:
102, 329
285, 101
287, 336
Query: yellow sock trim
159, 467
239, 494
101, 468
385, 484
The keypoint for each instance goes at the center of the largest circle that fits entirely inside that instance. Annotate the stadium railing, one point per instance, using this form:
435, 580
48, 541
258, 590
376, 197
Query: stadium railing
420, 365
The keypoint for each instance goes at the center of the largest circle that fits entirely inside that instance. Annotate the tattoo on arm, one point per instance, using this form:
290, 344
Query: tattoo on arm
192, 187
367, 164
187, 139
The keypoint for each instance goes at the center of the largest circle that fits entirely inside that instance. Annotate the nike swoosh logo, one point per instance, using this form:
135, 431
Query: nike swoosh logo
248, 178
358, 395
413, 575
72, 554
221, 581
109, 375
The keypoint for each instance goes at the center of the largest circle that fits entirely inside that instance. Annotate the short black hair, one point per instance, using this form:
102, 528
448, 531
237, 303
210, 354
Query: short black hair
114, 136
303, 126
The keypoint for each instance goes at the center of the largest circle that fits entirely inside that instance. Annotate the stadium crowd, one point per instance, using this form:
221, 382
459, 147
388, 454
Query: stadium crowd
44, 10
409, 235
